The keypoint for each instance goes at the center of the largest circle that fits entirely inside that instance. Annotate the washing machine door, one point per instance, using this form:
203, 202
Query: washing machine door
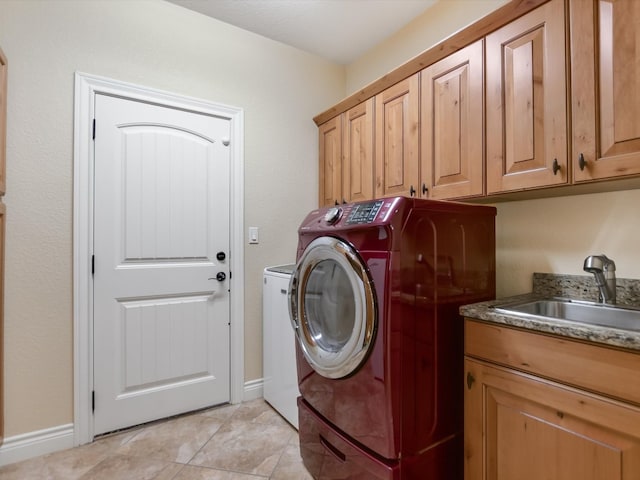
333, 307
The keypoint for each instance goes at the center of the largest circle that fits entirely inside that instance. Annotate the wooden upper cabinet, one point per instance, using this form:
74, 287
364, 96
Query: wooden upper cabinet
3, 121
330, 169
397, 139
605, 47
485, 121
526, 102
357, 151
452, 132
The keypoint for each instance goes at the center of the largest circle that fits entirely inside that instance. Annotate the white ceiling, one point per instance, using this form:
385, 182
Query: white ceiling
338, 30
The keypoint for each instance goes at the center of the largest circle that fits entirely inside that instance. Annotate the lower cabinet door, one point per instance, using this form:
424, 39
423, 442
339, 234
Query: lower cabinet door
518, 426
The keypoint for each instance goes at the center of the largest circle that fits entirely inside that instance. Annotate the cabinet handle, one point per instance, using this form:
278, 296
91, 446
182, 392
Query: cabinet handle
581, 161
335, 202
344, 202
425, 190
470, 380
412, 191
556, 166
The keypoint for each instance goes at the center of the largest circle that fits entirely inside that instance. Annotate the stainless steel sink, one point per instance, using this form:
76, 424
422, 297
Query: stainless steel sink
623, 317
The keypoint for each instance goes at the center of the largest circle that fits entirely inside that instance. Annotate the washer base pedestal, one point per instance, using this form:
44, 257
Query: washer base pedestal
330, 455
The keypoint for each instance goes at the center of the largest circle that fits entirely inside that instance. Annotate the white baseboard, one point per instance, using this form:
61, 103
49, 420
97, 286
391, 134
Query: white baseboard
32, 444
252, 390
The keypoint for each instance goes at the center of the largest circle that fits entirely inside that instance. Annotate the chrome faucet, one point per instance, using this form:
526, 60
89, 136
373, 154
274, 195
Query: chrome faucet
604, 269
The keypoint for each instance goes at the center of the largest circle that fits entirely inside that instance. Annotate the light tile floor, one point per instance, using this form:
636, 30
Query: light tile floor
249, 441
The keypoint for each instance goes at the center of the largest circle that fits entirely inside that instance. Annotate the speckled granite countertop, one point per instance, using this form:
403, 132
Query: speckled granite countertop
567, 286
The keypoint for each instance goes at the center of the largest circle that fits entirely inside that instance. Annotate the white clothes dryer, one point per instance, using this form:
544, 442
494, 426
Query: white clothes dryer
280, 388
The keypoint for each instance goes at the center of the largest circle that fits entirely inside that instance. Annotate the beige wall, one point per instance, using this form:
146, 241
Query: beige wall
556, 234
157, 44
438, 22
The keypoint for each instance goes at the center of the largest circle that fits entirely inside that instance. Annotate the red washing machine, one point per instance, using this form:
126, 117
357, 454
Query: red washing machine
374, 303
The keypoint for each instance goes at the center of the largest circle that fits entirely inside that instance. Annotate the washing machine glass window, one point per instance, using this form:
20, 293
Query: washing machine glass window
333, 307
330, 306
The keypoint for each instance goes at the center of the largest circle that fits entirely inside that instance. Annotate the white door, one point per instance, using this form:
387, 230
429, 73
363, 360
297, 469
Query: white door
161, 237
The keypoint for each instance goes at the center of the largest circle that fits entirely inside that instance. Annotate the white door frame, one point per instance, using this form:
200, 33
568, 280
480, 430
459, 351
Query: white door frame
86, 87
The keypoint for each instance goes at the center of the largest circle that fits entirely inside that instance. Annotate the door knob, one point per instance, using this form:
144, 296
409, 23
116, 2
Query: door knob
220, 276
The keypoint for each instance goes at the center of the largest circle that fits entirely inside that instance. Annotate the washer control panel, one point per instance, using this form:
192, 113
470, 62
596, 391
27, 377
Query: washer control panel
364, 212
349, 215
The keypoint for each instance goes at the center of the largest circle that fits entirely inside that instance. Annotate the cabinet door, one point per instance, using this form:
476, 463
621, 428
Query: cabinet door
3, 120
526, 102
521, 427
357, 168
397, 125
330, 170
451, 126
605, 88
330, 142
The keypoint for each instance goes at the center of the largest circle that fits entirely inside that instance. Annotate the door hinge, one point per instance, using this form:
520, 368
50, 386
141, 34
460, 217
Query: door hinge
93, 134
93, 264
93, 401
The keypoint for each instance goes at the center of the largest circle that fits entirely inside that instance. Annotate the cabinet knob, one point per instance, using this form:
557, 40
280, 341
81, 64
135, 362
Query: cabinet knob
412, 191
425, 190
556, 166
470, 380
581, 161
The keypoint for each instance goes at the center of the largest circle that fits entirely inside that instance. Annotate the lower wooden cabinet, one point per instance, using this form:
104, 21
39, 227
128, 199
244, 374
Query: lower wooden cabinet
530, 427
522, 427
